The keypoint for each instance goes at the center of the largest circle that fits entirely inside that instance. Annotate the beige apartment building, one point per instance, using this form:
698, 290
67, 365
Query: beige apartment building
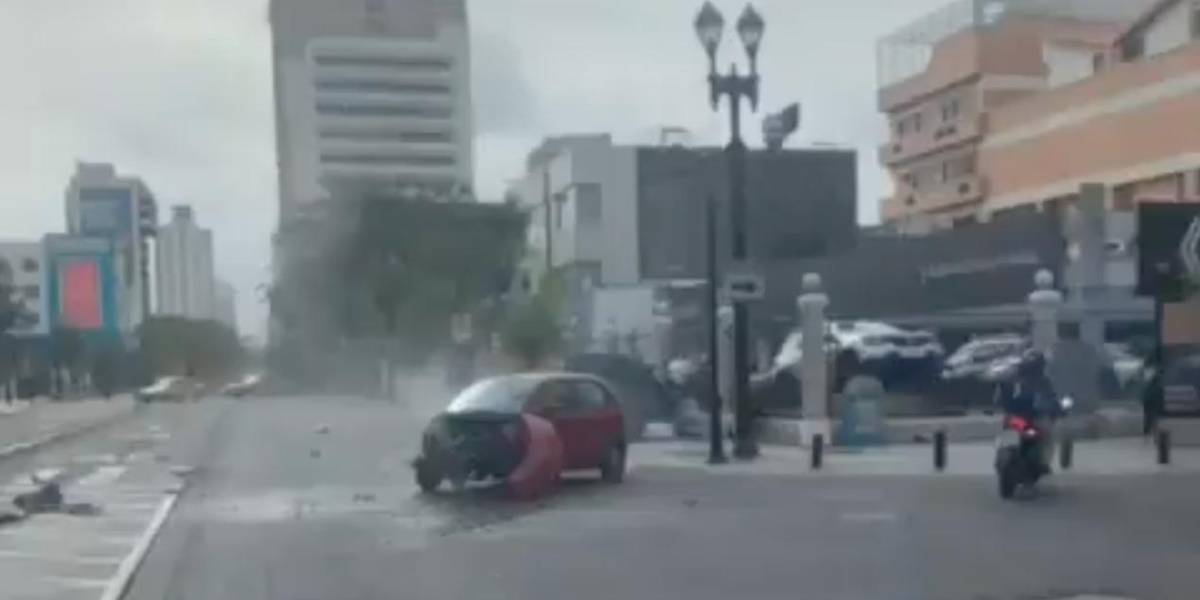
1011, 105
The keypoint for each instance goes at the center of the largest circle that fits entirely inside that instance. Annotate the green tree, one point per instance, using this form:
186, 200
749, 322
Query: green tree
532, 331
204, 349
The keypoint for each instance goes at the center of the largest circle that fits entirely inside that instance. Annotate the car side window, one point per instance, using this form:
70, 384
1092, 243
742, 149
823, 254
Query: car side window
550, 397
589, 396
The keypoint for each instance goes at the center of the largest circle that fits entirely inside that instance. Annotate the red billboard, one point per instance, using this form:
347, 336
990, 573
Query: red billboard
80, 285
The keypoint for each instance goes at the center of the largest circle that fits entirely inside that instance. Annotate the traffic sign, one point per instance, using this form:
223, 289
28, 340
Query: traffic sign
745, 286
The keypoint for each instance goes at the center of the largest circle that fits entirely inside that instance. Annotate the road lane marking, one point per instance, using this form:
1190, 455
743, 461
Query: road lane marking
116, 586
82, 559
101, 476
73, 582
869, 517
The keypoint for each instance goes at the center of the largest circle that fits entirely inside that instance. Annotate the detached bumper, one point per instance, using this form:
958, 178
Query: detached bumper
540, 468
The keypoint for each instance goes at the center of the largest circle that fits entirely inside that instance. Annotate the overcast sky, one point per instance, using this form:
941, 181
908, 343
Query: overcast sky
179, 93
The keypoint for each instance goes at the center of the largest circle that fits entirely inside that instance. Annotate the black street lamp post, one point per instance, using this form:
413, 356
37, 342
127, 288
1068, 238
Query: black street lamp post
750, 26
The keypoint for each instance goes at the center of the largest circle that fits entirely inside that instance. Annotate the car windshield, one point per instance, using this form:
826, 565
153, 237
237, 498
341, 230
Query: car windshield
501, 394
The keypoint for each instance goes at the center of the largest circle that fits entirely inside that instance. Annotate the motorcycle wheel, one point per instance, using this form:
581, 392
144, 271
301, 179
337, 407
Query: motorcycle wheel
1007, 475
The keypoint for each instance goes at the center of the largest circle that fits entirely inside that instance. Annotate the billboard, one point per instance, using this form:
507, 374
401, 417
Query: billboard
1168, 245
80, 289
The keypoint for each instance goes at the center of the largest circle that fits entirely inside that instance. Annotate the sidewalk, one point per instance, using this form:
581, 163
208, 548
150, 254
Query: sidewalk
43, 421
1115, 457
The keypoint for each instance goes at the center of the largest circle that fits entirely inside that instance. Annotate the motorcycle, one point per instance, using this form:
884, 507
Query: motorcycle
1019, 453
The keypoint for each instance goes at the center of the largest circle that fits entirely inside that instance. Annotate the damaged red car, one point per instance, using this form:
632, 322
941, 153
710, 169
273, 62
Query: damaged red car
524, 429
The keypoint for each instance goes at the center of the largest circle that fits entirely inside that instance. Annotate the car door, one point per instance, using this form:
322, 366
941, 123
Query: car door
553, 401
600, 421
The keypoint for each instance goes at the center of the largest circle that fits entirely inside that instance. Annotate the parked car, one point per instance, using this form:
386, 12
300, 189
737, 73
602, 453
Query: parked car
864, 342
917, 346
243, 387
523, 428
984, 359
1127, 368
168, 388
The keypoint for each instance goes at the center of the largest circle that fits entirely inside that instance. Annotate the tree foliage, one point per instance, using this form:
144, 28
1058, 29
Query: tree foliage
532, 331
378, 266
176, 346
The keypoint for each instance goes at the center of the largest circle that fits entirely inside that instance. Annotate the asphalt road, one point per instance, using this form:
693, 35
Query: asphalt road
312, 498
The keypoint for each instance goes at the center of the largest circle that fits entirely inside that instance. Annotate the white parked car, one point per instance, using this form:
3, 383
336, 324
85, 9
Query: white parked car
873, 341
990, 358
1127, 368
167, 388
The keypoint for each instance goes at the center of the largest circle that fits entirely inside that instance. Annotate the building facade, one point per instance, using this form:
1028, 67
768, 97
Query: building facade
625, 226
23, 274
1013, 105
186, 279
370, 94
100, 202
226, 304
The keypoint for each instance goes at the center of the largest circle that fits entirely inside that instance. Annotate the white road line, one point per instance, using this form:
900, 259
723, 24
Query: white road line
81, 559
73, 582
116, 586
101, 476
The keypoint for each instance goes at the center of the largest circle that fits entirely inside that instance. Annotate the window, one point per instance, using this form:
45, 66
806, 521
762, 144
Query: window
900, 127
384, 135
382, 110
413, 160
946, 171
416, 64
589, 396
29, 265
588, 204
356, 85
916, 122
559, 200
950, 109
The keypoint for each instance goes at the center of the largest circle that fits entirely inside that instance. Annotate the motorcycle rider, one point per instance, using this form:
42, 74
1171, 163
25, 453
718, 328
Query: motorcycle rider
1032, 397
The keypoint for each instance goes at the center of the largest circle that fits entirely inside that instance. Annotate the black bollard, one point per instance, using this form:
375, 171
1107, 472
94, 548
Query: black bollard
1164, 447
818, 451
1066, 453
939, 450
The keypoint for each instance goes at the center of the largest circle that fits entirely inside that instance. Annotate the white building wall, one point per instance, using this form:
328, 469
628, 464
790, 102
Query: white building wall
226, 304
1171, 30
354, 56
185, 270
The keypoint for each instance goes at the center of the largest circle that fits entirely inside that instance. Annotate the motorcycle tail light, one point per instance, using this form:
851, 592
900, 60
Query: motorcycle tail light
1018, 424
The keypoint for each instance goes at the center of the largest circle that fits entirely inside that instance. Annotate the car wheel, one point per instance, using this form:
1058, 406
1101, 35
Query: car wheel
429, 477
612, 470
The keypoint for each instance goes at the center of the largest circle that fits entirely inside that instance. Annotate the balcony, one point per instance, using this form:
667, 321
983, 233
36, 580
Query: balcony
944, 135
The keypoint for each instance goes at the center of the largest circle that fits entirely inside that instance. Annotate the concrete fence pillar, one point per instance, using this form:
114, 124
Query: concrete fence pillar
1045, 303
812, 304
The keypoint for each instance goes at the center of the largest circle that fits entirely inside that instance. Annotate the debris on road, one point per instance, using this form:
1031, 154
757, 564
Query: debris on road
314, 453
322, 429
49, 499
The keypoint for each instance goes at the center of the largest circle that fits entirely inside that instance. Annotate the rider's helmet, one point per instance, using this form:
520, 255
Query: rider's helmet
1033, 362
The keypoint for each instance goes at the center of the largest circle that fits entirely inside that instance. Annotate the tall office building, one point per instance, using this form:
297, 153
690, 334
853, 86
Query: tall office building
186, 282
102, 203
370, 94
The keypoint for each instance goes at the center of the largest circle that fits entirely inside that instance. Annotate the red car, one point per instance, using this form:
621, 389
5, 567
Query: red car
525, 429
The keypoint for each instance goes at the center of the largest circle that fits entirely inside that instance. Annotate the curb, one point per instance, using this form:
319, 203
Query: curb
119, 584
64, 434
